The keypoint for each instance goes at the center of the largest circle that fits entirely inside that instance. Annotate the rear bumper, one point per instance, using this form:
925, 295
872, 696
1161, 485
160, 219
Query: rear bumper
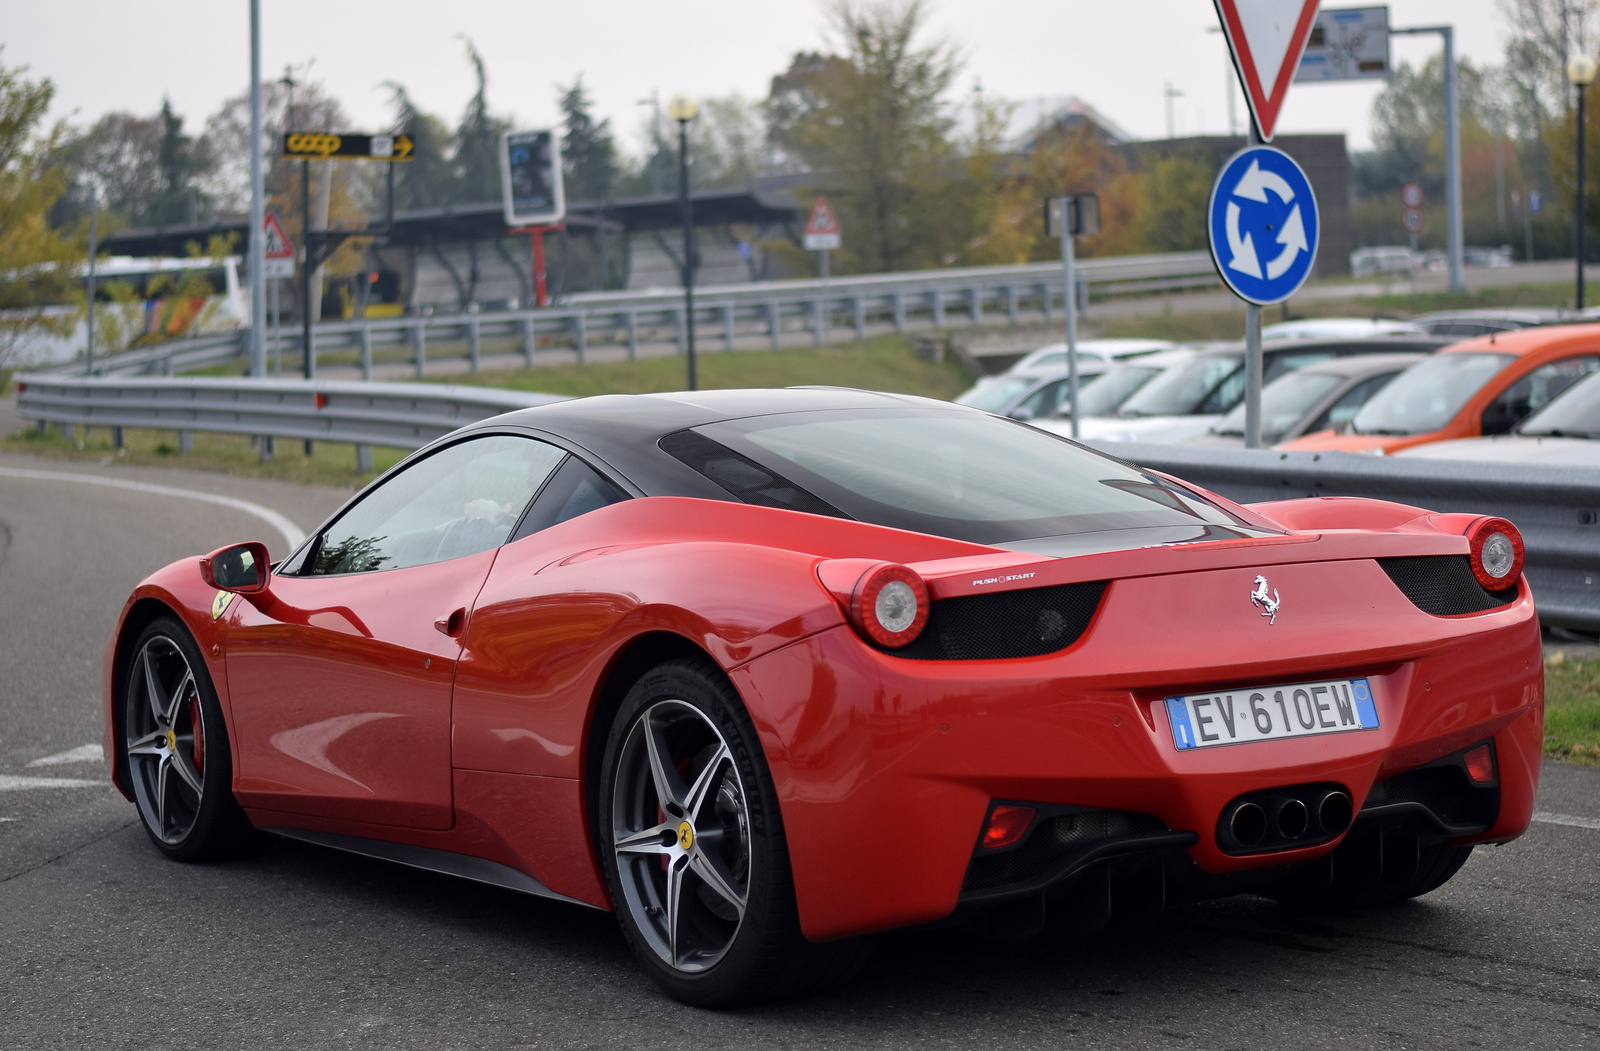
886, 767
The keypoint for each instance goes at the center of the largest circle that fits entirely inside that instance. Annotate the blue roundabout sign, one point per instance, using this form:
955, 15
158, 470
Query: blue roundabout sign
1263, 224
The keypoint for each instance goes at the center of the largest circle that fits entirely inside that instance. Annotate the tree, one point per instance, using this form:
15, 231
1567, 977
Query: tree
588, 151
476, 144
872, 125
120, 156
428, 179
180, 162
37, 263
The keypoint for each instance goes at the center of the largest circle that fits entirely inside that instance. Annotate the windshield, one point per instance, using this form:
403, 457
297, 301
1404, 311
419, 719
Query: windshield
1180, 391
1427, 396
968, 477
1574, 414
1284, 402
1113, 388
994, 395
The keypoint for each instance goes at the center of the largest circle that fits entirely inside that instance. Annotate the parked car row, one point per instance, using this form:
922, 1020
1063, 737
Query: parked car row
1355, 388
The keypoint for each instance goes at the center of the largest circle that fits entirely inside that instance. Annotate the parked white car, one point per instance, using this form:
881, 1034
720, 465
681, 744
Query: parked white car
1107, 350
1339, 328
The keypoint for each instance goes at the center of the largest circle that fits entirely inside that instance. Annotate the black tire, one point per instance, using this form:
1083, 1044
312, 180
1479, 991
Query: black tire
727, 956
168, 757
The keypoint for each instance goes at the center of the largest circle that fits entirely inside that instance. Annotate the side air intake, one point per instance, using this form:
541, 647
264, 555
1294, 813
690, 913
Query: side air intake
1444, 585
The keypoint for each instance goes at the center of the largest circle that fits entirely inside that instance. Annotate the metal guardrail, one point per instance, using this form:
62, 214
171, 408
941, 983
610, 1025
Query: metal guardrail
398, 415
761, 310
1556, 509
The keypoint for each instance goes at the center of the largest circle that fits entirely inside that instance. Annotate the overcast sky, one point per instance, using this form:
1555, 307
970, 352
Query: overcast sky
108, 55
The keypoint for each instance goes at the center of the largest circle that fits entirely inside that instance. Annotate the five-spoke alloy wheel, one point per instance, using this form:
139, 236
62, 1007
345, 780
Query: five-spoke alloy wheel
681, 833
693, 848
175, 748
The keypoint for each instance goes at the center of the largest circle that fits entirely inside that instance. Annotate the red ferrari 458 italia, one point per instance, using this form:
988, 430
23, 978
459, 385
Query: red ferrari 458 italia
767, 672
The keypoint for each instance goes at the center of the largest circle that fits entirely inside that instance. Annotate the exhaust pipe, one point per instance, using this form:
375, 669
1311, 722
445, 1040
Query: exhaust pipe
1248, 825
1293, 819
1334, 812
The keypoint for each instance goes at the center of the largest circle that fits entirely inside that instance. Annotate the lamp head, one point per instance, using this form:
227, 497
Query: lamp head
1581, 70
682, 106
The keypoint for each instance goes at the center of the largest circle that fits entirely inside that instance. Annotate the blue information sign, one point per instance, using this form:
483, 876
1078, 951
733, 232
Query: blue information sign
1263, 224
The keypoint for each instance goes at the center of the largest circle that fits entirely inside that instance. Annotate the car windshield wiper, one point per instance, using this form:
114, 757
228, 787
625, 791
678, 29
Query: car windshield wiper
1384, 431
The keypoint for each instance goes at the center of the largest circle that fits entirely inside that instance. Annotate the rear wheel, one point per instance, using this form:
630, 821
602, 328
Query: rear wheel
694, 851
175, 749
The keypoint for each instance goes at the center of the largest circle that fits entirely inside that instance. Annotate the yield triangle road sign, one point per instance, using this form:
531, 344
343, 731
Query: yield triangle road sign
276, 237
1267, 38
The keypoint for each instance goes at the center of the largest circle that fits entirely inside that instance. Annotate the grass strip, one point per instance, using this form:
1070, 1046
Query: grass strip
1572, 709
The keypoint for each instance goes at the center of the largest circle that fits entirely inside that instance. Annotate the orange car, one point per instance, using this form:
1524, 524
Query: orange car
1483, 386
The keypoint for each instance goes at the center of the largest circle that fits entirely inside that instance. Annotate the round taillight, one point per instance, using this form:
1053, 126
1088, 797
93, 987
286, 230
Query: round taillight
890, 605
1495, 553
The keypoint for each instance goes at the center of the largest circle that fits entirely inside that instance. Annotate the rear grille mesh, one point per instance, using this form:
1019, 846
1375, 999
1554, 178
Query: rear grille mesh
1026, 623
1443, 585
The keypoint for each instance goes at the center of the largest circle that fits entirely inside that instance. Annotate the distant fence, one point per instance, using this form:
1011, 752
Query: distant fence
769, 310
398, 415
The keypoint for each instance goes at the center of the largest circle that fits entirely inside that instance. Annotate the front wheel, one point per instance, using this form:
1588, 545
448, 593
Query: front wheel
694, 850
175, 749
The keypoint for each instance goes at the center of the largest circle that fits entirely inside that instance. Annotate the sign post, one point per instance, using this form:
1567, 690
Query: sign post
534, 194
1066, 217
1411, 218
1263, 223
822, 234
307, 146
1267, 41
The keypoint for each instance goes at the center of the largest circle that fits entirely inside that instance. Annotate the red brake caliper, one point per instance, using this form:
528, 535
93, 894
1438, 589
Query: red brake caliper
199, 734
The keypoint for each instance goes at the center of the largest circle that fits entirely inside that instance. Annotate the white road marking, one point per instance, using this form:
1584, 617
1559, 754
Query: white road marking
16, 783
292, 533
1570, 820
84, 753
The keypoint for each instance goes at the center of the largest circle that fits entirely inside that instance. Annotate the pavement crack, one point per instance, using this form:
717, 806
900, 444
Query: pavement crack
69, 851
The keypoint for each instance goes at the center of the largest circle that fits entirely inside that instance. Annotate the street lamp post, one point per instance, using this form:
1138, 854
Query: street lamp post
1581, 72
682, 108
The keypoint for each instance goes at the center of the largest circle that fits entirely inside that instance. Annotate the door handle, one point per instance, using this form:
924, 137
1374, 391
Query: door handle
454, 624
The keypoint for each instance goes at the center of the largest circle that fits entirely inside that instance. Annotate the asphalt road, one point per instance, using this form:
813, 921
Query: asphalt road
104, 944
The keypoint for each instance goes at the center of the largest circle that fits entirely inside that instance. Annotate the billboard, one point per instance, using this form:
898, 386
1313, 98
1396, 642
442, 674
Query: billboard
530, 178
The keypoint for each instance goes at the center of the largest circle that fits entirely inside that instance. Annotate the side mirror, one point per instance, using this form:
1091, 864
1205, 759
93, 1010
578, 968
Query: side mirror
243, 569
1022, 413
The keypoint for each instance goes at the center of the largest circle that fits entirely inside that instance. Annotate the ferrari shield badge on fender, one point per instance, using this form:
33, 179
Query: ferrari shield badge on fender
219, 605
1269, 603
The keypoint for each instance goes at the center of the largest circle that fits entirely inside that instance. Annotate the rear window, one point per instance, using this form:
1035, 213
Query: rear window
969, 477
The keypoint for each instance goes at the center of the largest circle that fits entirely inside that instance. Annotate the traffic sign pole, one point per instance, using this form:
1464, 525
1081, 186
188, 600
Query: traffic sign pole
1252, 359
1071, 311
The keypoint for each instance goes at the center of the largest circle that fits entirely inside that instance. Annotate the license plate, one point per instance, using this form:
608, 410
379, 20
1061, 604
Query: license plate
1271, 713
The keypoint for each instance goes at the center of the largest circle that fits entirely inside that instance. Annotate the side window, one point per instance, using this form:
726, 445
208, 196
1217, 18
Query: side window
1043, 402
1534, 391
1224, 395
461, 500
575, 490
1344, 410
